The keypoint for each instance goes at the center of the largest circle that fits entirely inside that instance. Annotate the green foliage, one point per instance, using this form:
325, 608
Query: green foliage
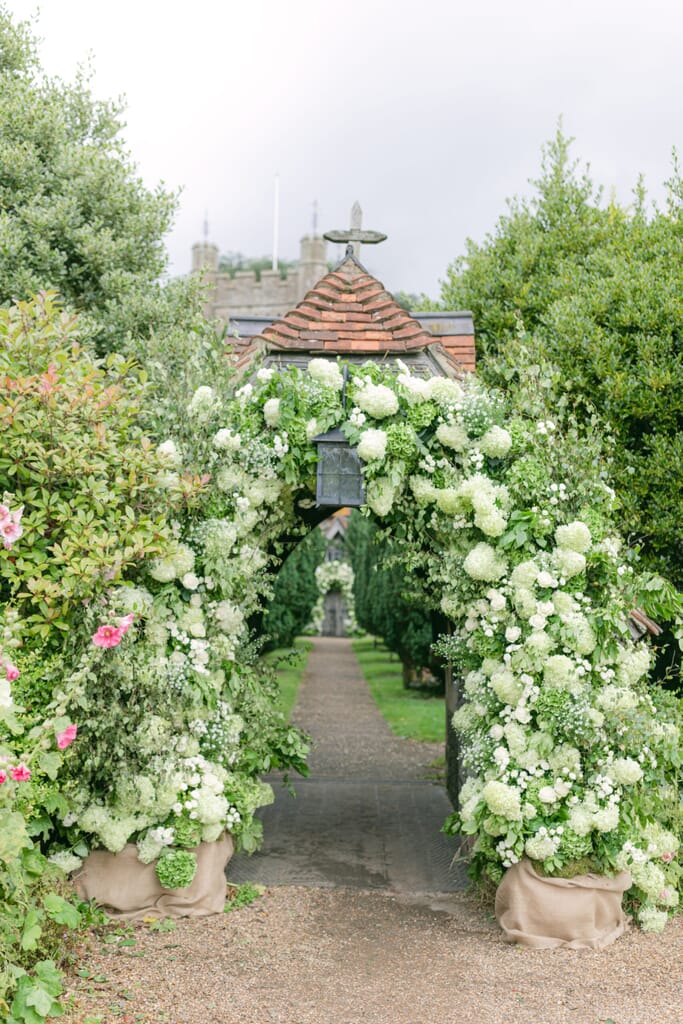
385, 606
176, 869
74, 455
74, 215
415, 714
242, 895
289, 666
295, 591
590, 294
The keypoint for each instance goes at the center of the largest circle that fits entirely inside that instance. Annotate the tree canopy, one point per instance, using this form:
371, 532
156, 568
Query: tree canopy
591, 293
74, 214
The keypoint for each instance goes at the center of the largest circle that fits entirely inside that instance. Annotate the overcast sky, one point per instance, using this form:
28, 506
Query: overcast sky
430, 113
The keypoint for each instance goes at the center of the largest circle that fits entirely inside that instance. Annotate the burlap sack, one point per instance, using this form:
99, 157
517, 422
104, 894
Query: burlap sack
581, 913
129, 890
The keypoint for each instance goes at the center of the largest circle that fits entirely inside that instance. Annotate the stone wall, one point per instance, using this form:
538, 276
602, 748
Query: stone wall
272, 296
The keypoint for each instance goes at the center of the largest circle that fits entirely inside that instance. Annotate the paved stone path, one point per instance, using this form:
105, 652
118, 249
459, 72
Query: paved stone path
367, 817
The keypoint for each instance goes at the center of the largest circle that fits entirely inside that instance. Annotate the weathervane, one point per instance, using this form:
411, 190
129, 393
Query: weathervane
355, 236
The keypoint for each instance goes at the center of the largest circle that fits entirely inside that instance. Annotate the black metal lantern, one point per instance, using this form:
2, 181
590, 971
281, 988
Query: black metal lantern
339, 481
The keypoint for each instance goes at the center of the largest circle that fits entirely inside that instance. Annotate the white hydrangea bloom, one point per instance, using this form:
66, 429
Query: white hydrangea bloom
503, 800
380, 495
271, 411
444, 391
377, 400
452, 435
496, 442
372, 445
484, 563
203, 403
417, 389
326, 372
423, 489
225, 440
574, 536
625, 771
568, 562
525, 574
169, 453
540, 847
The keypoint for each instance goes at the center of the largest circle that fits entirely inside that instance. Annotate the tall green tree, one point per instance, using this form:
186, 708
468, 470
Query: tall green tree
386, 604
592, 291
74, 214
295, 591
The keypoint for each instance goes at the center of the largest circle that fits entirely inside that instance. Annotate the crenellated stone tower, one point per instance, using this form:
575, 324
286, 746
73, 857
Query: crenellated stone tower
271, 296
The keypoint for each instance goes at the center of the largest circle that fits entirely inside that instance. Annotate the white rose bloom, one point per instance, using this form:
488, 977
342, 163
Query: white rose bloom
190, 581
512, 634
561, 787
546, 579
496, 732
547, 795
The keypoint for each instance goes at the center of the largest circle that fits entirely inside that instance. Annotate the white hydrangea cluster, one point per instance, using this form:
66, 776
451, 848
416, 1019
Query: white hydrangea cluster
203, 403
326, 372
372, 445
380, 495
271, 412
377, 400
173, 566
484, 563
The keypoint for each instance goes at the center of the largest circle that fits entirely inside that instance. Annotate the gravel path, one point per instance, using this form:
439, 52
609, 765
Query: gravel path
349, 955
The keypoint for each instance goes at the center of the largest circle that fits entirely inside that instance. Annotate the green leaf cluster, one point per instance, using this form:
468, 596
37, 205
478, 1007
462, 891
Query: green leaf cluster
74, 455
588, 294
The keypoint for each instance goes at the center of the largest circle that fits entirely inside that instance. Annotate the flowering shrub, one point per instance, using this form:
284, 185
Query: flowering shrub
335, 575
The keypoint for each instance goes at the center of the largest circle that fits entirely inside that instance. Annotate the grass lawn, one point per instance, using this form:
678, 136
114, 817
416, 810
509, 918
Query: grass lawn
290, 672
409, 713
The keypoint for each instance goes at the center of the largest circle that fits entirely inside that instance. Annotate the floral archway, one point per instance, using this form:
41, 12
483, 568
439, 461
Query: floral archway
572, 756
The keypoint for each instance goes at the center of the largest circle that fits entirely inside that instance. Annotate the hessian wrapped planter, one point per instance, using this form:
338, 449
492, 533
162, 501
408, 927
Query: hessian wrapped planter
130, 890
583, 912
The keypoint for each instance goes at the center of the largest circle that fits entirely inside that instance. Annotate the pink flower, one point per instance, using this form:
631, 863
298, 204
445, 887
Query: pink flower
3, 776
11, 672
107, 636
21, 773
668, 857
10, 530
125, 623
67, 737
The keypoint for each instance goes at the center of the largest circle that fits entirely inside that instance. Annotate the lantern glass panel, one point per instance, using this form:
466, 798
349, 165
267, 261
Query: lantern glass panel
339, 480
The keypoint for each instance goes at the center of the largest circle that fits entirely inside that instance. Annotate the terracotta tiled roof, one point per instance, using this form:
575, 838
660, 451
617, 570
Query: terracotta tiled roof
349, 313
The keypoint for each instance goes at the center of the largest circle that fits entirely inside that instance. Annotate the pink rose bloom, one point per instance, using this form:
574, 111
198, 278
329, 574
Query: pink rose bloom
125, 623
11, 672
668, 857
21, 773
64, 739
3, 776
4, 513
107, 636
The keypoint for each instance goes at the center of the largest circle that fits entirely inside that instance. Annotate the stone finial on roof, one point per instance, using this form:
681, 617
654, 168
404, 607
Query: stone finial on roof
355, 236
